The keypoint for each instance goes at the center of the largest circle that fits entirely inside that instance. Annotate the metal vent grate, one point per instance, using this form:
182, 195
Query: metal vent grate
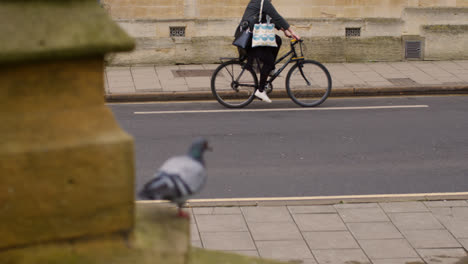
413, 49
177, 31
353, 32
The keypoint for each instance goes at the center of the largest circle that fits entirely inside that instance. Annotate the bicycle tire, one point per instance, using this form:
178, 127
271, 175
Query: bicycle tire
308, 83
228, 91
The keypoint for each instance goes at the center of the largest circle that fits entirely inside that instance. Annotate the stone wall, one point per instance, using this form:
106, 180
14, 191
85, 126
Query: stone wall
209, 26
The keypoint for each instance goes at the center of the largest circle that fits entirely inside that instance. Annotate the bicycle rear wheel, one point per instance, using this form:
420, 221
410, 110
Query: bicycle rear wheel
308, 83
233, 85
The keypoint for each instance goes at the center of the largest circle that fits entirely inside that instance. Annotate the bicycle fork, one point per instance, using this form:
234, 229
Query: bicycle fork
303, 75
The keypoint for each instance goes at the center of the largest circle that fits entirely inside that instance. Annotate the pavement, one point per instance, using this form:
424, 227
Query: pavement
192, 82
408, 232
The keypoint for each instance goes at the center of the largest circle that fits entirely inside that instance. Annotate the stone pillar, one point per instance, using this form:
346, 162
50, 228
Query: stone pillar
66, 168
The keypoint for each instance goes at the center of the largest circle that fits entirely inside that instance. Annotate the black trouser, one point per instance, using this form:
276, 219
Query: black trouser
264, 57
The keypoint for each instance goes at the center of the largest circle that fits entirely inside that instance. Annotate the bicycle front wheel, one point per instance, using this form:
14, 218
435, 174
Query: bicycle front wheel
308, 83
233, 84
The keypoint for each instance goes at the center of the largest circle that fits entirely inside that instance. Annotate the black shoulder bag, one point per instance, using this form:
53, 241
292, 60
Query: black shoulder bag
244, 39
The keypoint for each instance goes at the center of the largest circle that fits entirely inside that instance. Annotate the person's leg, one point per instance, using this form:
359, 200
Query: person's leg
279, 42
268, 60
263, 79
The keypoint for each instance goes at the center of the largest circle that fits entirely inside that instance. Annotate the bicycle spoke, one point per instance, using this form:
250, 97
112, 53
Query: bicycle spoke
236, 88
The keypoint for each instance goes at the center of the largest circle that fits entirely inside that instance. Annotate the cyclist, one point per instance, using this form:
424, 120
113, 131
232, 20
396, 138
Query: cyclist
264, 56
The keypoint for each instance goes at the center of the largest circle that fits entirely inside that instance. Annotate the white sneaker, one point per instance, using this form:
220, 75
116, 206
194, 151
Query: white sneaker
262, 95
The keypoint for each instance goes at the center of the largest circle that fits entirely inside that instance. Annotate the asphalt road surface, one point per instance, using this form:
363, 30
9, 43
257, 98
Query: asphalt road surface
347, 146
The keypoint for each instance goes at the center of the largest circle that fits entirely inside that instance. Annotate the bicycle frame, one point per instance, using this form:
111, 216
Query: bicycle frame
293, 58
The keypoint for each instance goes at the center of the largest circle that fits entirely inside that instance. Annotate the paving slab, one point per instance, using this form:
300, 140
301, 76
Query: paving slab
198, 83
330, 240
457, 203
274, 231
194, 234
370, 76
203, 210
221, 223
443, 256
327, 256
227, 240
296, 249
448, 65
357, 67
119, 80
363, 215
267, 214
387, 248
145, 78
404, 207
227, 210
398, 261
210, 66
457, 226
415, 221
462, 63
319, 222
311, 209
196, 243
431, 239
455, 212
464, 243
378, 230
356, 205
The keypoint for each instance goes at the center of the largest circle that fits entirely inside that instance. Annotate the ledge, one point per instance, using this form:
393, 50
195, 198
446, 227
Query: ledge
446, 29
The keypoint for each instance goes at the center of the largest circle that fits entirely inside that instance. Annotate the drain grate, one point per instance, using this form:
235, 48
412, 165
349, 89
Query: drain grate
192, 73
413, 49
402, 81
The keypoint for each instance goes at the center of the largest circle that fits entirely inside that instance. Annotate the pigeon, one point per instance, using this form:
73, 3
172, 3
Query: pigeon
179, 177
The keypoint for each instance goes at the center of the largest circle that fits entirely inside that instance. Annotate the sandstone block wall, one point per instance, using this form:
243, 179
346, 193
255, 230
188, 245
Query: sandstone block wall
210, 24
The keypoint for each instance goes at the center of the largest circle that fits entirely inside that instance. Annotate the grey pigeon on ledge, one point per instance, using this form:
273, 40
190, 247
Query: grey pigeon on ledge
179, 177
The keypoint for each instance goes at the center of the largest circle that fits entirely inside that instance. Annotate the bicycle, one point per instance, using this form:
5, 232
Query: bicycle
308, 82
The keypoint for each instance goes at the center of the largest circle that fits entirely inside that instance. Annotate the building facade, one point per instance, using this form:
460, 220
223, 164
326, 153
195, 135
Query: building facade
201, 31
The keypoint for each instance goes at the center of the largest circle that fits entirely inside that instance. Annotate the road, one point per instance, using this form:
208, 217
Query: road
347, 146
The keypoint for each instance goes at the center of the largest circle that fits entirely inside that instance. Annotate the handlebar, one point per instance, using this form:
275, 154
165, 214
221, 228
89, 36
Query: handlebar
295, 41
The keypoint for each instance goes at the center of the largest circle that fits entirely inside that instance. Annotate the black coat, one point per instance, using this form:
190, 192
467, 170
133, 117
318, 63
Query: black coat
266, 54
253, 9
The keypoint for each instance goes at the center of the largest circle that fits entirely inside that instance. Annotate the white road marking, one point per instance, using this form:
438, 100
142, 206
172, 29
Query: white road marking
280, 109
324, 199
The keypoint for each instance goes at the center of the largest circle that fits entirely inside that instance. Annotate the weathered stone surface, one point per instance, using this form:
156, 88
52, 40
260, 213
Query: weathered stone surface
446, 42
66, 168
210, 49
159, 236
51, 29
